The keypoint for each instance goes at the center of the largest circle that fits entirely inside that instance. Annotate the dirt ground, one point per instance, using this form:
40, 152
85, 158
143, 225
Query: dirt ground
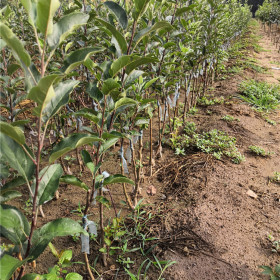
235, 225
211, 227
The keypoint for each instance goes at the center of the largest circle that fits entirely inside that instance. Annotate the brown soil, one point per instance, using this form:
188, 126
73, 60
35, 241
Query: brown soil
234, 224
208, 223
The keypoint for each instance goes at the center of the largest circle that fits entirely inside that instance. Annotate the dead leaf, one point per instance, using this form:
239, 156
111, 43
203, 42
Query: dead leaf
252, 194
151, 190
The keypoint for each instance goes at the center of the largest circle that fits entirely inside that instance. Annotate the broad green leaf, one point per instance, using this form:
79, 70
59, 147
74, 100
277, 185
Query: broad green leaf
94, 92
135, 74
73, 276
110, 85
15, 44
64, 27
118, 36
70, 143
8, 195
141, 122
121, 62
89, 114
12, 68
8, 266
65, 256
124, 101
119, 12
140, 7
31, 9
180, 11
56, 228
78, 57
13, 224
88, 161
5, 173
148, 84
277, 269
72, 180
45, 12
6, 12
43, 93
61, 98
12, 131
2, 44
13, 153
12, 184
144, 32
32, 276
108, 144
266, 270
49, 182
117, 178
138, 62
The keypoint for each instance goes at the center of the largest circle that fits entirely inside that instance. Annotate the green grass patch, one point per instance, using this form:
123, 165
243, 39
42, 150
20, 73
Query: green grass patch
263, 96
215, 142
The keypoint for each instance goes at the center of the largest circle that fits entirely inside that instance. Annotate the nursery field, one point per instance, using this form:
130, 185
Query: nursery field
139, 140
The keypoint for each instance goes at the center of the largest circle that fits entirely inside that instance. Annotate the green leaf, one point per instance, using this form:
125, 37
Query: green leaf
117, 35
56, 228
61, 98
119, 12
12, 68
108, 144
89, 114
135, 74
65, 256
180, 11
117, 178
13, 153
8, 195
72, 180
124, 101
8, 266
31, 9
64, 27
12, 131
94, 92
121, 62
78, 57
70, 143
144, 32
45, 12
277, 269
15, 44
73, 276
139, 61
140, 7
49, 182
43, 93
266, 270
32, 276
148, 84
13, 224
2, 44
88, 161
110, 85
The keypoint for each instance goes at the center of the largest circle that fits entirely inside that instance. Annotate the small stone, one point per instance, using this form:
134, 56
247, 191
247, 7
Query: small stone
251, 194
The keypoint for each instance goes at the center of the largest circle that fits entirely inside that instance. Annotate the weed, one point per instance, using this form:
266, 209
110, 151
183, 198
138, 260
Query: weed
259, 151
274, 273
214, 142
276, 177
275, 244
204, 101
272, 122
228, 118
262, 95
